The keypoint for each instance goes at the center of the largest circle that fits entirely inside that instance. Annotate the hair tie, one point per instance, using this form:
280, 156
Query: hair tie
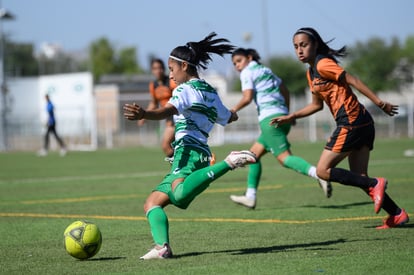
182, 60
306, 32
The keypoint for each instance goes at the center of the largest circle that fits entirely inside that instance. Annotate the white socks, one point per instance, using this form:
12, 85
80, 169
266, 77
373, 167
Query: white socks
312, 172
251, 193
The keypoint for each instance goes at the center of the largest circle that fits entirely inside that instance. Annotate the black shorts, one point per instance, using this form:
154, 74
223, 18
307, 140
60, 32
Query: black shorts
349, 138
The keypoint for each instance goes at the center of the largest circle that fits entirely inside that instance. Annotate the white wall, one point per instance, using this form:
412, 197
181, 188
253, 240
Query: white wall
72, 96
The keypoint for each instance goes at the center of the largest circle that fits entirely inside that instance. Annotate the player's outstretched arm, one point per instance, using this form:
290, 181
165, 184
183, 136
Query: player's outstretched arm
315, 106
386, 107
136, 112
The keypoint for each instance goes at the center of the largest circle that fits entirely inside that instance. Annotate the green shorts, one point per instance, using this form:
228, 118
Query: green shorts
273, 139
186, 160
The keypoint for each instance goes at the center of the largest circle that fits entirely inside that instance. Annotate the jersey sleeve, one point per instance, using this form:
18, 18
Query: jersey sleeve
246, 80
180, 98
223, 114
329, 69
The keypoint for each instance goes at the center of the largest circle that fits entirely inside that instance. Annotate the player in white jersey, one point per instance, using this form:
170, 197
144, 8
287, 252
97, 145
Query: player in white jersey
197, 107
271, 96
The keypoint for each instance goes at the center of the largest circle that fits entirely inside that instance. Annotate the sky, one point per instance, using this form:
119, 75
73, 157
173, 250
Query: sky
156, 27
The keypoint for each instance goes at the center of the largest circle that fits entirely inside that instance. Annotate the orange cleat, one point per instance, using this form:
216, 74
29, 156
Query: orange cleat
394, 221
377, 193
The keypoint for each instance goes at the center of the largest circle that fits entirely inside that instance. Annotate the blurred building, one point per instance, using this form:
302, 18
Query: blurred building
90, 115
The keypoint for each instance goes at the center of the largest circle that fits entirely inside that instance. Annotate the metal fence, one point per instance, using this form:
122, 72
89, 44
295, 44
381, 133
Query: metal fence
28, 135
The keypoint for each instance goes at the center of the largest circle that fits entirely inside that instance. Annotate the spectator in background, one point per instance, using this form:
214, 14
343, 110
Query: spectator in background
161, 90
51, 128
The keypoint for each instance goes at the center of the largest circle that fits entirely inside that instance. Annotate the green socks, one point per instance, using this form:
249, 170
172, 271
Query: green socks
298, 164
184, 193
255, 173
197, 182
159, 225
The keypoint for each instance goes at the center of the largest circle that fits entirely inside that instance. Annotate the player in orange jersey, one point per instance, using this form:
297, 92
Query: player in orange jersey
161, 90
355, 132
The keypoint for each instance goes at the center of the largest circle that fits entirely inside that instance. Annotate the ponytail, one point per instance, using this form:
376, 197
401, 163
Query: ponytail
198, 54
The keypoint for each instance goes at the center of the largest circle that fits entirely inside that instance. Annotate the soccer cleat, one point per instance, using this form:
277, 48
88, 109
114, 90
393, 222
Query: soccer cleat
63, 152
326, 187
243, 200
377, 193
42, 153
157, 252
394, 221
240, 158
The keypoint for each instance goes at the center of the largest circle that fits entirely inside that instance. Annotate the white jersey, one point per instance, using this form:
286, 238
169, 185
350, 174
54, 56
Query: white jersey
199, 107
267, 96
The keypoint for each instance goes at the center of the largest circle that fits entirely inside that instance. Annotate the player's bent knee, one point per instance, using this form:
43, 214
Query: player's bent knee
322, 173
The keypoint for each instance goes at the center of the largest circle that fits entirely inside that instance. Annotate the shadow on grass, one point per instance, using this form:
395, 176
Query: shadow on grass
269, 249
404, 226
343, 206
106, 259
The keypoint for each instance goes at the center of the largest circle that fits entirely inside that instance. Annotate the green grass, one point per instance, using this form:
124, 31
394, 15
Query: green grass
294, 229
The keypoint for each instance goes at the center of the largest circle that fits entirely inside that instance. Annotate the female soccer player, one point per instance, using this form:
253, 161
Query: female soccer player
355, 132
161, 91
197, 107
271, 96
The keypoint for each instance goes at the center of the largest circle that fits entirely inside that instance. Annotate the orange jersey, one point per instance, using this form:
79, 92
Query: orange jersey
326, 80
162, 93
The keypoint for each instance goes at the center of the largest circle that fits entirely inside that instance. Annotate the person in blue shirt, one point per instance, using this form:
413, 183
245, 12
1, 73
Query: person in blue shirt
51, 128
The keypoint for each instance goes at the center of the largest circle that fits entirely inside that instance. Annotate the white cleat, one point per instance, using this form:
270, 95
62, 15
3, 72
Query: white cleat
42, 153
326, 187
63, 152
243, 200
240, 158
157, 252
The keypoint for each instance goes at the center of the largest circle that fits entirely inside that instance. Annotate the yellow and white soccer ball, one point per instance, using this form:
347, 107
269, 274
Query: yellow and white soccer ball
82, 239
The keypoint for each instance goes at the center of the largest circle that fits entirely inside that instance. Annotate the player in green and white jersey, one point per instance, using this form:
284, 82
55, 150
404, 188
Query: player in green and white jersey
261, 85
197, 107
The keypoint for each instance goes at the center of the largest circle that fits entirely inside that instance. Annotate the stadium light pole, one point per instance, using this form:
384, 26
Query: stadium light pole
4, 15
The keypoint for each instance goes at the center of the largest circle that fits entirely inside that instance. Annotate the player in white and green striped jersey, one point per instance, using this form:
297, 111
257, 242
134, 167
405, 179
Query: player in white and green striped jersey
197, 107
261, 85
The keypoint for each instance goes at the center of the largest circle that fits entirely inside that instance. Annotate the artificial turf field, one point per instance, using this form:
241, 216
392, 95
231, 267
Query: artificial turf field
294, 229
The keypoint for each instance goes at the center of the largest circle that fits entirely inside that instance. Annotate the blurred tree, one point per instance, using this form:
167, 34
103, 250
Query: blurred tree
404, 71
291, 71
408, 49
105, 60
19, 59
127, 61
61, 62
102, 57
374, 62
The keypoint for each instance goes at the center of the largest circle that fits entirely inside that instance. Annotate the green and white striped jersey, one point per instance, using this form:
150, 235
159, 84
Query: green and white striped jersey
199, 107
265, 84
